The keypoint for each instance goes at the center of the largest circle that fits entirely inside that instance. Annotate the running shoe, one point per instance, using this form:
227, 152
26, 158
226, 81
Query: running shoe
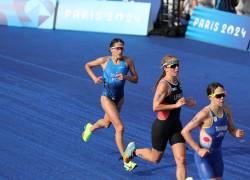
130, 166
86, 133
129, 152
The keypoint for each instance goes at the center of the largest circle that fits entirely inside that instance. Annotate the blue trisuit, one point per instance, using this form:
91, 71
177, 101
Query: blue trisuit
212, 165
113, 87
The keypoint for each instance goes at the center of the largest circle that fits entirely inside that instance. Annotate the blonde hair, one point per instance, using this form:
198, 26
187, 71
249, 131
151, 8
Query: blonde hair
164, 62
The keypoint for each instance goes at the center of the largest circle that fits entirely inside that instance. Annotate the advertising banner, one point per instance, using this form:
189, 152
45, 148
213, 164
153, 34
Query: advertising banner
219, 27
28, 13
104, 16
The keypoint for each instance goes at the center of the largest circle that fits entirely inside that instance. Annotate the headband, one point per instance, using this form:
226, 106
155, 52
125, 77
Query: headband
172, 62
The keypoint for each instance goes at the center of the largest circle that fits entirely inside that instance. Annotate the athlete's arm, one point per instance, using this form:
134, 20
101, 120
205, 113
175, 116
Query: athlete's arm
134, 76
197, 121
89, 65
231, 128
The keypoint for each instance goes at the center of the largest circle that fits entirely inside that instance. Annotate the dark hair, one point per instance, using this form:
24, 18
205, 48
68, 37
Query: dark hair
212, 86
116, 40
165, 59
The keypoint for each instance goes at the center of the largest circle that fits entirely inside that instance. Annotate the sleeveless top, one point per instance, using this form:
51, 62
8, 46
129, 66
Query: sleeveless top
172, 98
215, 133
113, 87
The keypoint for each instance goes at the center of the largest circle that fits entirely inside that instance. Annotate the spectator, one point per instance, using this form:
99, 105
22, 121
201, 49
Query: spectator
243, 7
226, 5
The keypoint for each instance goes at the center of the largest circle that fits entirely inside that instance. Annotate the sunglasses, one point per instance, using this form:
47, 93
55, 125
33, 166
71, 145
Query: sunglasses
118, 48
173, 66
218, 96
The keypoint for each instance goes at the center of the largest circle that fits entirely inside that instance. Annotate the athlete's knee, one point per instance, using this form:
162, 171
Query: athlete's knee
180, 160
106, 124
155, 160
119, 128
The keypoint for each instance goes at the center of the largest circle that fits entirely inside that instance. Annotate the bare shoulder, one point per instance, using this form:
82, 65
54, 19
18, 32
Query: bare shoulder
204, 113
227, 110
162, 90
163, 86
104, 59
128, 60
100, 61
201, 117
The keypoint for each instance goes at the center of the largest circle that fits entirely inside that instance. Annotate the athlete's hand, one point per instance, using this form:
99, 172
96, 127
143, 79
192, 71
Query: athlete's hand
98, 80
120, 76
239, 133
202, 152
180, 102
190, 102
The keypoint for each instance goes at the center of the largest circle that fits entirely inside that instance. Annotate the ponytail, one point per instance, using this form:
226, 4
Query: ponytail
162, 75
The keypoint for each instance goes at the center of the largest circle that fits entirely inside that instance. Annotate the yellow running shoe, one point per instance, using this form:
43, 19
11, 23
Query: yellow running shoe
86, 133
130, 166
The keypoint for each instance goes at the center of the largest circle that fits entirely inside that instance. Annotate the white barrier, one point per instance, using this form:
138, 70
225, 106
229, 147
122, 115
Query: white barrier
104, 16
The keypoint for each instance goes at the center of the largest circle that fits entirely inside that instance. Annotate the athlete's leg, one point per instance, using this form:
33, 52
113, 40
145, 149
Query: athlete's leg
179, 151
112, 111
204, 167
148, 154
105, 121
218, 165
159, 141
101, 123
